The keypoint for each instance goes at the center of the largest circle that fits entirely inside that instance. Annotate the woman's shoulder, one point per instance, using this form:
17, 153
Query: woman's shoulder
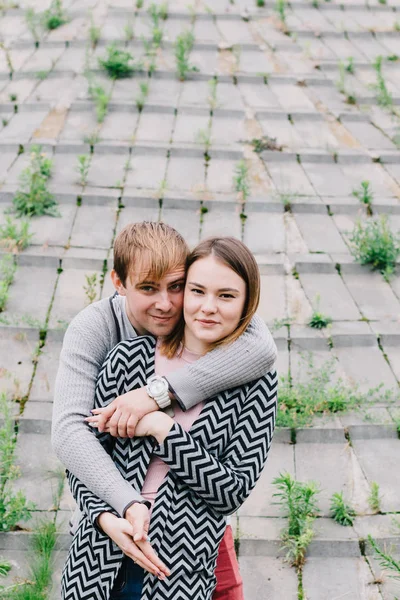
142, 345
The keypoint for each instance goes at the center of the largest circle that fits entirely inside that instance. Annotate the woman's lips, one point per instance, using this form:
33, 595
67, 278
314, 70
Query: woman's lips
207, 323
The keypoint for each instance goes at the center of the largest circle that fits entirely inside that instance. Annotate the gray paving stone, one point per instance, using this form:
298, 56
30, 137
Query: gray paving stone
146, 171
36, 460
366, 366
119, 126
264, 232
372, 295
328, 294
94, 226
22, 127
187, 222
328, 180
320, 233
290, 179
334, 468
186, 173
53, 231
329, 578
46, 371
228, 130
78, 125
132, 214
273, 298
106, 170
16, 365
70, 296
220, 175
31, 293
221, 223
267, 578
189, 128
372, 454
155, 127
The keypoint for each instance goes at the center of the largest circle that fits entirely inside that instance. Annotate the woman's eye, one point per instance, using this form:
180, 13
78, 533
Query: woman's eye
227, 296
196, 291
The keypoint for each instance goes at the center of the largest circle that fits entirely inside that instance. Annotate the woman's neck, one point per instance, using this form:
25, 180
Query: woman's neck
193, 344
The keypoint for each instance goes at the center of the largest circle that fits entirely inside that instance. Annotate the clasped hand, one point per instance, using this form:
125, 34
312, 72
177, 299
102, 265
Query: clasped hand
132, 414
130, 535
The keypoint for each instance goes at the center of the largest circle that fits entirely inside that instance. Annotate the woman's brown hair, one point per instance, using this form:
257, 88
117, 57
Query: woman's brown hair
235, 255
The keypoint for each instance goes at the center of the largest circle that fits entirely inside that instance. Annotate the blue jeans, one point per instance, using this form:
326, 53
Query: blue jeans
129, 583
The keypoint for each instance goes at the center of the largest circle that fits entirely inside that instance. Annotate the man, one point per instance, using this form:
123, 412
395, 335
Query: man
149, 276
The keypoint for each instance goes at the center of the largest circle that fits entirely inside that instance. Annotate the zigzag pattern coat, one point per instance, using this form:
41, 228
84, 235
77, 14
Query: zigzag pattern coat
212, 471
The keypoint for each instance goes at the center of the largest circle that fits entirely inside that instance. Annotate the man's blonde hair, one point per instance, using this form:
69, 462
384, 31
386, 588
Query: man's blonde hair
149, 248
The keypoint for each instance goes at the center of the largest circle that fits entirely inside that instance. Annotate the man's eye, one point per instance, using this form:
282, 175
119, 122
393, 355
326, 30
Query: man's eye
177, 287
147, 288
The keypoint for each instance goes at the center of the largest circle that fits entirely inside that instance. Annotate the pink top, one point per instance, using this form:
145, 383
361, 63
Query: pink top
158, 470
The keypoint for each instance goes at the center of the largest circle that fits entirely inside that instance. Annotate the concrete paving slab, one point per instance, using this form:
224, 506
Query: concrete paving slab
132, 214
372, 454
107, 170
264, 232
329, 578
37, 463
290, 178
70, 296
53, 231
334, 468
31, 293
273, 298
320, 233
94, 226
221, 223
366, 367
155, 127
146, 171
46, 371
328, 294
120, 126
187, 222
186, 173
372, 295
268, 578
22, 127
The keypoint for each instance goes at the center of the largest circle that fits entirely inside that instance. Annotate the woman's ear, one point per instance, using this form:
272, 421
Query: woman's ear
119, 286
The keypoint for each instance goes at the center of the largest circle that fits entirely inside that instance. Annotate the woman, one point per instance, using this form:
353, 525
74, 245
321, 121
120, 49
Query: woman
194, 468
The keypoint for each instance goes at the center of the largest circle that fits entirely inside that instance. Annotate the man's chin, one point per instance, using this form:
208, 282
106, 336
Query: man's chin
158, 327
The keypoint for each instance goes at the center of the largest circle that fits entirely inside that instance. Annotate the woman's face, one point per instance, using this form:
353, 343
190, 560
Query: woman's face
213, 303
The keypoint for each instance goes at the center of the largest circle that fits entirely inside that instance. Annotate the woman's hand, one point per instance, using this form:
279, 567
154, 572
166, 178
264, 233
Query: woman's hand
121, 532
157, 424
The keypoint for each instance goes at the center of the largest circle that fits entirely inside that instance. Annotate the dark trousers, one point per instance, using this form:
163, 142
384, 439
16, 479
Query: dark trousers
129, 583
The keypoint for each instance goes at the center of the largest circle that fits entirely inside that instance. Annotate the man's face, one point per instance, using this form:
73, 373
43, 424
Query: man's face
153, 306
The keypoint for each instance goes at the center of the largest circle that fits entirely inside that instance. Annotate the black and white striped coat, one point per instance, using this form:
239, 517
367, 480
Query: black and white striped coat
212, 471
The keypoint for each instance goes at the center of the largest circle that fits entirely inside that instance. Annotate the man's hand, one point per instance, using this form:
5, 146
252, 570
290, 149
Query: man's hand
120, 417
121, 532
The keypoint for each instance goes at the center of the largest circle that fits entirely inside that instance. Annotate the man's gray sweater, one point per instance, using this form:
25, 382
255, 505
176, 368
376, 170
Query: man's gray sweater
88, 339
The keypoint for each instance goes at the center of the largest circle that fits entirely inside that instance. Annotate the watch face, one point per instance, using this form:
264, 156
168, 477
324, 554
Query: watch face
157, 387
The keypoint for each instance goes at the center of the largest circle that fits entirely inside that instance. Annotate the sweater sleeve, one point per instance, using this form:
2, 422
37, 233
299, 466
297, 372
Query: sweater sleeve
251, 356
225, 482
86, 344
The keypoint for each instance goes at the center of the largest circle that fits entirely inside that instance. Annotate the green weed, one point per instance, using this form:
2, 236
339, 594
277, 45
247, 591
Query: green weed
54, 16
13, 97
92, 139
139, 3
280, 8
385, 560
101, 100
265, 143
118, 63
241, 181
34, 198
83, 168
319, 320
341, 512
384, 97
204, 137
7, 272
212, 97
373, 243
182, 48
299, 503
349, 66
33, 22
260, 3
94, 33
141, 97
364, 193
319, 393
90, 288
7, 54
374, 499
14, 235
128, 31
13, 506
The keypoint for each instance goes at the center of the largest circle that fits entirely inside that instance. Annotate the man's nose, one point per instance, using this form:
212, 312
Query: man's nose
163, 302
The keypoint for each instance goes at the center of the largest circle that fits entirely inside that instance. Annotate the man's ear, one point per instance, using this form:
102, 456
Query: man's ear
118, 283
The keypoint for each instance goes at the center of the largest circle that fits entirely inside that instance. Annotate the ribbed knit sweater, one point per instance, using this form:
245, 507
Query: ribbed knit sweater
88, 340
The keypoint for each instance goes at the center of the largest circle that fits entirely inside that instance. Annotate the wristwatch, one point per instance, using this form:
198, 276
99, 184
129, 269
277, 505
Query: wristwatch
157, 388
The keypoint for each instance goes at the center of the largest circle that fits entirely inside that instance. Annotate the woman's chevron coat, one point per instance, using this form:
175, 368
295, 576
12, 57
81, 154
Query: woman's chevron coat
212, 471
